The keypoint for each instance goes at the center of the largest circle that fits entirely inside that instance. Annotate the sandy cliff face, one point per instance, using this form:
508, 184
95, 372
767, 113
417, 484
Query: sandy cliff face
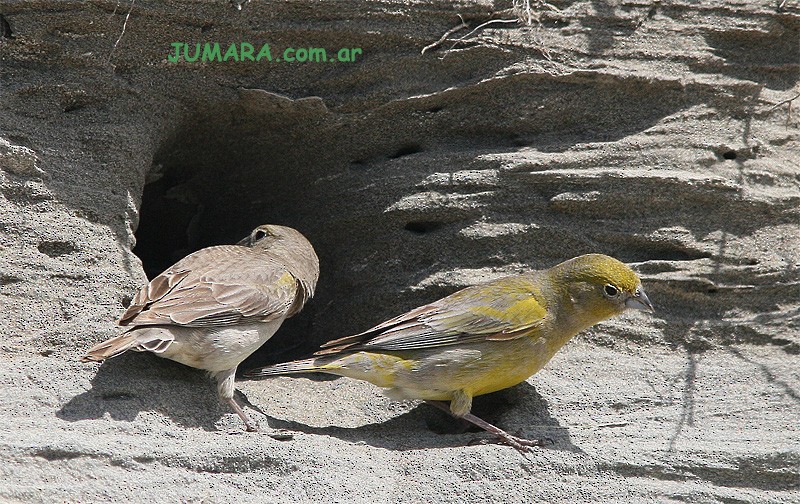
662, 133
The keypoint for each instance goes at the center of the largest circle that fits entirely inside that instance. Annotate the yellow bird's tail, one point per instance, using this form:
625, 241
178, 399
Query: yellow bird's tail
311, 365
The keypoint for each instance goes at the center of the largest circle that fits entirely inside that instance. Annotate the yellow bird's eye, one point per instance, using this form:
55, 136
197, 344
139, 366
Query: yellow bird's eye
610, 290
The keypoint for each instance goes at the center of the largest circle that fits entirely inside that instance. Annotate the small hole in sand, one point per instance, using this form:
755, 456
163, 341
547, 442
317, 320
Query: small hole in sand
422, 227
406, 150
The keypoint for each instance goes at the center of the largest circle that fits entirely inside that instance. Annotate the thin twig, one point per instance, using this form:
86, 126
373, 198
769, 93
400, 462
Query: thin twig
124, 26
551, 7
493, 21
446, 34
784, 102
528, 11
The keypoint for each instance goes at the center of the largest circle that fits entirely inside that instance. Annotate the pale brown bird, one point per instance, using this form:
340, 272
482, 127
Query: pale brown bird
216, 306
480, 339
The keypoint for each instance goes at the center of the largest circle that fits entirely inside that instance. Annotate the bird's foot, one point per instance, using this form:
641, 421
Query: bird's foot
520, 444
252, 427
523, 445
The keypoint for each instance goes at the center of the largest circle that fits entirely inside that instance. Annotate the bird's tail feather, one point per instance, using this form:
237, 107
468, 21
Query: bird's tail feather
111, 348
285, 368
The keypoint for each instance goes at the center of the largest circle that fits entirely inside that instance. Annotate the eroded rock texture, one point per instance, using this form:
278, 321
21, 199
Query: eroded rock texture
661, 132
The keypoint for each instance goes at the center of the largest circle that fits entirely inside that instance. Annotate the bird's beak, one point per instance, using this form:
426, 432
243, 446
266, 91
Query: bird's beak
245, 241
639, 301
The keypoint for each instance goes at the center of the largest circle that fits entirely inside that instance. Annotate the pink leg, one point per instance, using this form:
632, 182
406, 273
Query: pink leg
250, 425
521, 444
226, 391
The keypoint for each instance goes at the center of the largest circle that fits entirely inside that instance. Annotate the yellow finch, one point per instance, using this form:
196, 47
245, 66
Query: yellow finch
215, 307
480, 339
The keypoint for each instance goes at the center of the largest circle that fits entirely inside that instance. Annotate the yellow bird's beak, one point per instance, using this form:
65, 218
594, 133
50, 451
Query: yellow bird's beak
640, 301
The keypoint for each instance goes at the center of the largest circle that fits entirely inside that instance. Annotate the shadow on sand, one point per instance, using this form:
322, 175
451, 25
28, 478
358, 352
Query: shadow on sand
520, 410
132, 384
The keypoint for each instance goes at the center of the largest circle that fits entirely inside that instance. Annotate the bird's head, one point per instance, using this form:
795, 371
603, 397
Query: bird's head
290, 247
600, 286
263, 235
269, 236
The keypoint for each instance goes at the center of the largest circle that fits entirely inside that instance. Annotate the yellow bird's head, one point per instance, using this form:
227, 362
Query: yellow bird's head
599, 287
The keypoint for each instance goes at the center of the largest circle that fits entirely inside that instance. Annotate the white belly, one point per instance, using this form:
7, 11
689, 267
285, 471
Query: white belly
215, 348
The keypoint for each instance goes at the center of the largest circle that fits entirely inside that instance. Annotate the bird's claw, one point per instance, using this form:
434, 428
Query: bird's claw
520, 444
247, 428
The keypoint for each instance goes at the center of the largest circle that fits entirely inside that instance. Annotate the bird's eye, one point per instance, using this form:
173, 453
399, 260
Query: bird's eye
610, 290
259, 234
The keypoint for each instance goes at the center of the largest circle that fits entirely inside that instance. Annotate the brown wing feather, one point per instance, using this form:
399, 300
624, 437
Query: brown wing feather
215, 286
500, 310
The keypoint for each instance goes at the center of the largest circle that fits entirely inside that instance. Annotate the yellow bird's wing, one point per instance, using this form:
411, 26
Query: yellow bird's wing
504, 309
216, 286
